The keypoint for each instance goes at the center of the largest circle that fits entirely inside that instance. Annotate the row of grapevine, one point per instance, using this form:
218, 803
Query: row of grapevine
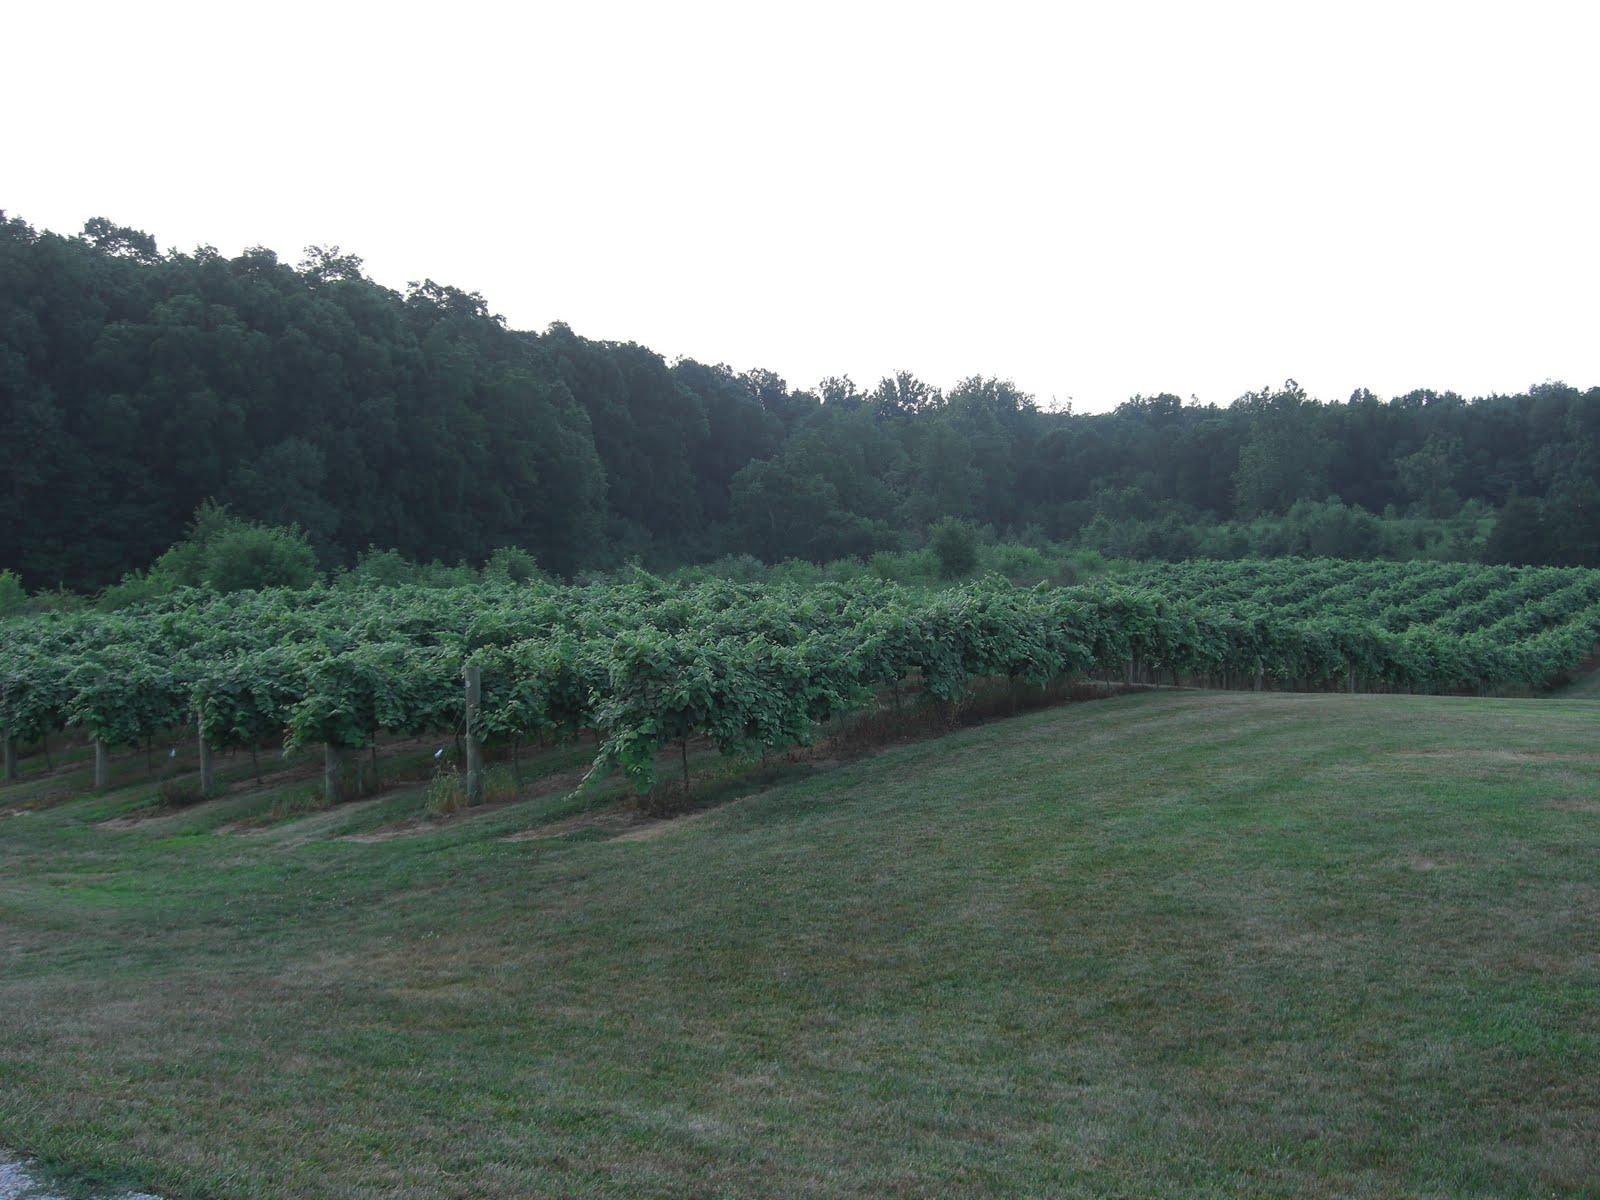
646, 664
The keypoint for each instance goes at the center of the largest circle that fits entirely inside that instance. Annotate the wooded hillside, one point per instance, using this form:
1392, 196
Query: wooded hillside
136, 384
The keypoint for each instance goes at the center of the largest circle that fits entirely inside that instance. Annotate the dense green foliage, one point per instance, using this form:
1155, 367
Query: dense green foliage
13, 597
137, 385
955, 548
222, 554
646, 664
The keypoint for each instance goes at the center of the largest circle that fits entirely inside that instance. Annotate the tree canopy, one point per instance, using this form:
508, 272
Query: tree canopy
138, 385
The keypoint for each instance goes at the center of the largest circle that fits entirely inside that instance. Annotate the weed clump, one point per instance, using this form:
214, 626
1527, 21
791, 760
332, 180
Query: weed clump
446, 793
179, 792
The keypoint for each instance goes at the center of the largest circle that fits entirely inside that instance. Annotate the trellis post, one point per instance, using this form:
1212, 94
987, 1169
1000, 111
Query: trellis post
332, 772
474, 681
208, 773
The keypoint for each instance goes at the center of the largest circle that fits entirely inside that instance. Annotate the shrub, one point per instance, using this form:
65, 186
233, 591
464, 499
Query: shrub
251, 557
184, 565
56, 599
796, 572
382, 568
136, 587
1022, 565
225, 554
955, 545
179, 792
12, 595
511, 564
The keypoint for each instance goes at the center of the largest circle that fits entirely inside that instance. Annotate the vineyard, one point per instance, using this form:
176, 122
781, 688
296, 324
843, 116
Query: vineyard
646, 665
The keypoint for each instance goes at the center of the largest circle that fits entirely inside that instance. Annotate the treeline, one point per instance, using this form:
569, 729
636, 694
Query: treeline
138, 384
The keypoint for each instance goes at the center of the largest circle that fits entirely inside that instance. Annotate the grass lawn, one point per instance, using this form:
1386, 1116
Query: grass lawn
1172, 944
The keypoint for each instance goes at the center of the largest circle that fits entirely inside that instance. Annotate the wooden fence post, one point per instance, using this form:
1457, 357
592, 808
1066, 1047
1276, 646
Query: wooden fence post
332, 772
208, 774
474, 681
102, 765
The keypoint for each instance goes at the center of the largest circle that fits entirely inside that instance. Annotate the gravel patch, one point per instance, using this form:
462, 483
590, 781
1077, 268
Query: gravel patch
17, 1182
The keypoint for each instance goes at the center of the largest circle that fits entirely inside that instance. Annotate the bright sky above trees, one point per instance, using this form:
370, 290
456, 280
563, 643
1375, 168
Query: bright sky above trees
1094, 200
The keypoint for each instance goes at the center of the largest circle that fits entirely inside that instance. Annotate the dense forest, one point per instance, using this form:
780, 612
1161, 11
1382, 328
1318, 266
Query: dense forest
137, 385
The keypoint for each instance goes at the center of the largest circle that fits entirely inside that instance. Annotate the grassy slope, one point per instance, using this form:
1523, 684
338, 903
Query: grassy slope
1169, 944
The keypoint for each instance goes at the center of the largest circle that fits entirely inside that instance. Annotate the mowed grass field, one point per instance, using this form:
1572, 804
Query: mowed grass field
1175, 944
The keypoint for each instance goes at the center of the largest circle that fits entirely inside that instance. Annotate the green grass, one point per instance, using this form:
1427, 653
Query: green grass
1171, 944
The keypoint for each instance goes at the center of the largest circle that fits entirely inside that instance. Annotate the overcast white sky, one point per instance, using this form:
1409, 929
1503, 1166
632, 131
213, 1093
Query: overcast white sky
1095, 199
